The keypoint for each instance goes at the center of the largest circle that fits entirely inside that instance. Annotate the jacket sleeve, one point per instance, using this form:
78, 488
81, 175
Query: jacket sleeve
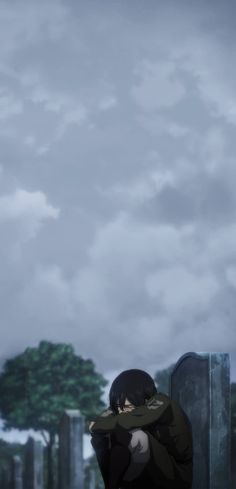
145, 415
105, 423
171, 448
140, 417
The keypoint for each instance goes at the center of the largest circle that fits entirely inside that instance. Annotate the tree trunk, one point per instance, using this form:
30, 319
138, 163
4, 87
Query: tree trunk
50, 460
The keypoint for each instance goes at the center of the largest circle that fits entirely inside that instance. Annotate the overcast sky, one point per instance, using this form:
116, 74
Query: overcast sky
117, 179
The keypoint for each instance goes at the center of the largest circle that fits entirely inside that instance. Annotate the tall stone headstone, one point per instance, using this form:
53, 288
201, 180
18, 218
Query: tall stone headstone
5, 478
92, 479
233, 460
33, 466
16, 473
71, 470
163, 379
55, 452
200, 383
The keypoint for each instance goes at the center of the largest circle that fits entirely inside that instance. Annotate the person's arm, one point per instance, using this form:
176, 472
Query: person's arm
142, 416
104, 423
153, 411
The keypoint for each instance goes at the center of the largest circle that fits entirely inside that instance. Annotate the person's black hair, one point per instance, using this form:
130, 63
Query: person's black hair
134, 385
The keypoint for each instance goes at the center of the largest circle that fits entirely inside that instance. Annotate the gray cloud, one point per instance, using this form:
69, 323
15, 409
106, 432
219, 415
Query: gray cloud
117, 171
158, 87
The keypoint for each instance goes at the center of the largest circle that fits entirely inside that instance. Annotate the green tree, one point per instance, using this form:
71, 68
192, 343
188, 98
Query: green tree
38, 385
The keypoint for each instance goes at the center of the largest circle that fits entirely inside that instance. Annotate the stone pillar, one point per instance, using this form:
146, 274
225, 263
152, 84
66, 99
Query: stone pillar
55, 456
71, 470
33, 467
5, 478
92, 479
200, 383
16, 473
233, 459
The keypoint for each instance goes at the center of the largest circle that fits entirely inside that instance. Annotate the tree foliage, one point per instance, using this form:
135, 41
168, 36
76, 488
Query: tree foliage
38, 385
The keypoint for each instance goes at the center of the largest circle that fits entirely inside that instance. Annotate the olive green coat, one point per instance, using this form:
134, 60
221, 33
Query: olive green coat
170, 439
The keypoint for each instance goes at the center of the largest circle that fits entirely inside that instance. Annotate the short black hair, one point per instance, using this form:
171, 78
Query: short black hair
134, 385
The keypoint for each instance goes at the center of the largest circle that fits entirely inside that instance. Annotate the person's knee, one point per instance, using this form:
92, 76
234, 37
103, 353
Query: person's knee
139, 445
140, 454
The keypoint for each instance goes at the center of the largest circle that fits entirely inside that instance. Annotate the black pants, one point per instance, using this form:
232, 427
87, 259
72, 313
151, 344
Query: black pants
113, 456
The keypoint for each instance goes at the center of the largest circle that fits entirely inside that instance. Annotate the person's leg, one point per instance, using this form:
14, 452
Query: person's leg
113, 455
120, 456
101, 446
119, 461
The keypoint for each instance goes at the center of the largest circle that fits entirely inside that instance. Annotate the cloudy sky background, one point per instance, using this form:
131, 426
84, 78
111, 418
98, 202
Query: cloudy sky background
117, 179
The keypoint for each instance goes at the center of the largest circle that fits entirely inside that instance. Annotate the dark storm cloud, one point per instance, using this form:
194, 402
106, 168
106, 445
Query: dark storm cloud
117, 167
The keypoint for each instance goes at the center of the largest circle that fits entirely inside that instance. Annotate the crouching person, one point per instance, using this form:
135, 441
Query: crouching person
144, 439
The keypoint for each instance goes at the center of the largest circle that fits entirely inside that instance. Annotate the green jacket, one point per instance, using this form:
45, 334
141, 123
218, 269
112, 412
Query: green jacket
170, 438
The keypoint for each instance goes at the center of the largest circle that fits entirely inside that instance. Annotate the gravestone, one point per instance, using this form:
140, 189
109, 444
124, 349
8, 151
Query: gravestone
71, 470
92, 479
55, 467
33, 466
200, 383
5, 478
163, 379
16, 473
233, 460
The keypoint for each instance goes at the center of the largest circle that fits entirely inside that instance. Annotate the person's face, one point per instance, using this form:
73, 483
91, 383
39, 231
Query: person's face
127, 407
